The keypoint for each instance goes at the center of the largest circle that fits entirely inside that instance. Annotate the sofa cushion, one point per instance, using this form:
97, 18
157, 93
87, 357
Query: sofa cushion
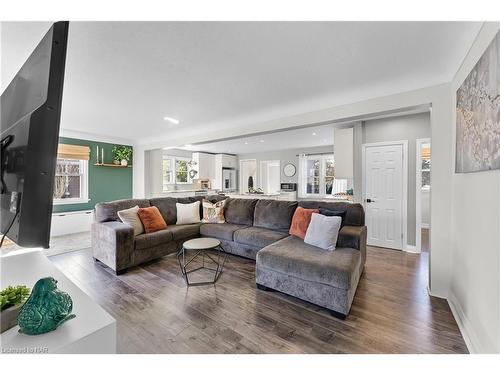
257, 237
323, 231
293, 257
221, 231
188, 213
240, 211
184, 231
147, 240
213, 212
151, 219
167, 207
300, 221
130, 217
355, 214
108, 211
275, 215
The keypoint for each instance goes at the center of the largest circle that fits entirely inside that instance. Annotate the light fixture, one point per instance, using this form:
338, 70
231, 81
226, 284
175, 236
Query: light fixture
314, 133
171, 119
246, 143
261, 141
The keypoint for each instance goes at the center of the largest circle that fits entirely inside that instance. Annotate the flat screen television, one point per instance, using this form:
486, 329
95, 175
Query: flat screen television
30, 116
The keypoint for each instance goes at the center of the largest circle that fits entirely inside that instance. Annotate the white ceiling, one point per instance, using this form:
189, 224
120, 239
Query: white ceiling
291, 139
122, 78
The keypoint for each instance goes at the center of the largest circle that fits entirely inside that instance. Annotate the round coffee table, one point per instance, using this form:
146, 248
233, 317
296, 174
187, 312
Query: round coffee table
204, 248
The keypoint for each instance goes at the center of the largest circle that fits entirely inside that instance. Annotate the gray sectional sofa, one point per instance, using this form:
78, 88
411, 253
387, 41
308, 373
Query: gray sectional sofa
255, 229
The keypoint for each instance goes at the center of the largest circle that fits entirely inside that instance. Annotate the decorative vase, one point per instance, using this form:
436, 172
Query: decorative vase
8, 318
124, 162
117, 162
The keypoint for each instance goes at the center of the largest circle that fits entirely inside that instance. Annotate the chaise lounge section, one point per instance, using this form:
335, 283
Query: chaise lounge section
256, 229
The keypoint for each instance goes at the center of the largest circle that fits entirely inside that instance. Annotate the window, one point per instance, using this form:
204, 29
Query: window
181, 171
71, 181
317, 177
175, 170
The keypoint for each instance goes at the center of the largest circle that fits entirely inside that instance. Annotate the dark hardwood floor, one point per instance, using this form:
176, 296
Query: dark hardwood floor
157, 313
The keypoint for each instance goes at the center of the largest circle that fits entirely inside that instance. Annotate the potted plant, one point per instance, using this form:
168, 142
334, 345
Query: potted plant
122, 154
11, 301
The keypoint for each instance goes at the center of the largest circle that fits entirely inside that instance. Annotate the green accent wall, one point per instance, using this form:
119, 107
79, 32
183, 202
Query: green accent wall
105, 183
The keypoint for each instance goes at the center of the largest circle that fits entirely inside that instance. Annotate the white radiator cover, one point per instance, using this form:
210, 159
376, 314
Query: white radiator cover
71, 222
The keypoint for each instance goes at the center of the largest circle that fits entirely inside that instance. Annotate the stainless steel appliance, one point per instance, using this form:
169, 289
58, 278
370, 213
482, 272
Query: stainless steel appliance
229, 179
288, 186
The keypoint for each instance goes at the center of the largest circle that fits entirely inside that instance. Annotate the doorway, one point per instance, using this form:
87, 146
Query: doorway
248, 175
270, 176
385, 180
423, 194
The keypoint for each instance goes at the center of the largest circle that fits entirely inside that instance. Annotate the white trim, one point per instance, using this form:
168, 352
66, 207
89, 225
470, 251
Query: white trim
411, 249
468, 334
67, 133
404, 213
425, 226
418, 192
63, 201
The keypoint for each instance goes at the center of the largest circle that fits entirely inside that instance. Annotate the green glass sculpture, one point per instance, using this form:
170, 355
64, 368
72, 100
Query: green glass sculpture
46, 308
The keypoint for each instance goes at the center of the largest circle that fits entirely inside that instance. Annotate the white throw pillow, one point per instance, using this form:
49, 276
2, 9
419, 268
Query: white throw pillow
323, 231
188, 213
130, 217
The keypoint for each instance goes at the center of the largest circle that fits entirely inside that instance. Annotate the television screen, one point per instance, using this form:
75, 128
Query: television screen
30, 115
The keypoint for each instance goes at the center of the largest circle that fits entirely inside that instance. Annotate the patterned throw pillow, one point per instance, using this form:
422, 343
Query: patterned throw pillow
213, 212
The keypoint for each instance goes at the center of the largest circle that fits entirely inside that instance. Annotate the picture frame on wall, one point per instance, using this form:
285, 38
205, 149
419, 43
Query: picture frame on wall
478, 115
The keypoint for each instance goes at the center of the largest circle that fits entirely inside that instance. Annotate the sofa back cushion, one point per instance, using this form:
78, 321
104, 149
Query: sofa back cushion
108, 211
355, 214
167, 207
275, 215
240, 211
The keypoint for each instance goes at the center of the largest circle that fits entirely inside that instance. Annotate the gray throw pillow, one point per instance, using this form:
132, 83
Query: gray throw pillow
323, 231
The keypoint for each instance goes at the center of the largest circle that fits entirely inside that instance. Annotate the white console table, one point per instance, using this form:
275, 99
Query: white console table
92, 331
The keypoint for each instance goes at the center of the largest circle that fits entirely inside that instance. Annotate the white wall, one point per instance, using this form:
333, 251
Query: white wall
285, 157
475, 234
410, 128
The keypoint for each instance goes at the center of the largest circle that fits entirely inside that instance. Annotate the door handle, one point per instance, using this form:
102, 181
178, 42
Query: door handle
368, 200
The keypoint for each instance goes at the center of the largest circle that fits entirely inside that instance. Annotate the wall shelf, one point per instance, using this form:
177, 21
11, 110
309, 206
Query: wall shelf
112, 165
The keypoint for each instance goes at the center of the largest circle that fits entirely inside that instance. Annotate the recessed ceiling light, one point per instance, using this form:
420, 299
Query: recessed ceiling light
314, 133
171, 119
246, 143
261, 141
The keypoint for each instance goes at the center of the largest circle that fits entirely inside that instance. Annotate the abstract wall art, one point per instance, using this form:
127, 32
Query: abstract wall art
478, 115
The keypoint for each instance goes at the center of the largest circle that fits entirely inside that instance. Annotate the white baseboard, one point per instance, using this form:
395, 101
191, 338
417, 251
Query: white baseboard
464, 325
411, 249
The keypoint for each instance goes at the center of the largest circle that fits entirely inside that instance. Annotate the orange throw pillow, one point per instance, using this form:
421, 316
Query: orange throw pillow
151, 219
300, 221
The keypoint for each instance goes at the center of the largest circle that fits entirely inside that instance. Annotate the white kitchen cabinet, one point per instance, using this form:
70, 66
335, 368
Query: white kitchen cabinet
205, 166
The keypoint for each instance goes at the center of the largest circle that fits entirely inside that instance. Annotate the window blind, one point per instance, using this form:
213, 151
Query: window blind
73, 152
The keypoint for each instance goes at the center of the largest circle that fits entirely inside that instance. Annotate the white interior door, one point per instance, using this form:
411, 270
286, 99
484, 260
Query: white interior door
383, 195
